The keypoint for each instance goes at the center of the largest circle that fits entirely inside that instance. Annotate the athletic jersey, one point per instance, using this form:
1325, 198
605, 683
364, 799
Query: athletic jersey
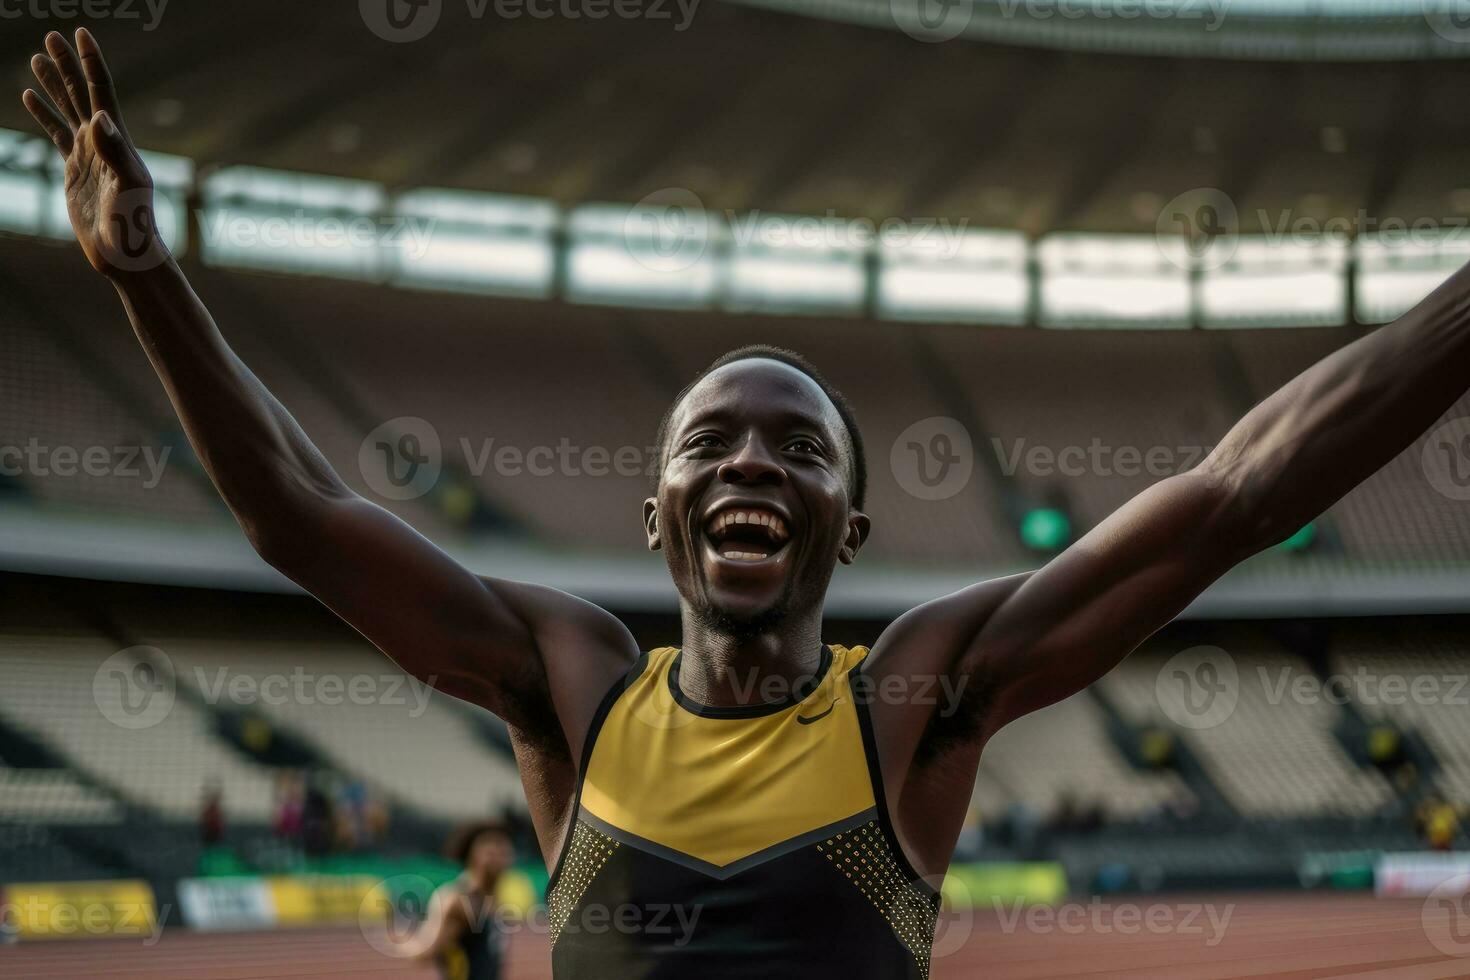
476, 954
715, 843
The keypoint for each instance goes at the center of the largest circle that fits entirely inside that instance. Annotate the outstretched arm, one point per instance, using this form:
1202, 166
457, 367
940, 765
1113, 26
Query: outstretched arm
446, 920
519, 650
1028, 641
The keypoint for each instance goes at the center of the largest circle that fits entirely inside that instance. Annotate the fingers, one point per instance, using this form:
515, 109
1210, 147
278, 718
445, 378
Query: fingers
114, 148
99, 79
50, 120
46, 73
71, 74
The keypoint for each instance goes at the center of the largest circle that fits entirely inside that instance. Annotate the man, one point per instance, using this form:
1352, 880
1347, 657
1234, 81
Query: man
458, 931
753, 803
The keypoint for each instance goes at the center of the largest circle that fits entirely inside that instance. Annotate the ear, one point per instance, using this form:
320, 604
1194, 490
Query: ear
650, 523
858, 526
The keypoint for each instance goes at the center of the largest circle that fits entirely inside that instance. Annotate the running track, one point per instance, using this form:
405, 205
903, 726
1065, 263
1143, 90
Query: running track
1295, 936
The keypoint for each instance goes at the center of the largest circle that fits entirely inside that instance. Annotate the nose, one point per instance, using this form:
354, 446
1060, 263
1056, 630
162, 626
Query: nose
752, 464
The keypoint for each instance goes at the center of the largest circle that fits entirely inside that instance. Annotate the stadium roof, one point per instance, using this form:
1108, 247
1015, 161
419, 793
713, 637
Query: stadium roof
750, 109
1275, 29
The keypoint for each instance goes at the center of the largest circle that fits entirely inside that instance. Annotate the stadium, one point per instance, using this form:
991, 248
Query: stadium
1051, 252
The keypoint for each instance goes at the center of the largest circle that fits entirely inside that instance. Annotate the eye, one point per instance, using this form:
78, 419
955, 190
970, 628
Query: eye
704, 440
804, 447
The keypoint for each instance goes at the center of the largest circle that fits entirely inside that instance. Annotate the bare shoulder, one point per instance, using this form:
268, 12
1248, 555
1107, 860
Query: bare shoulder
583, 650
934, 637
920, 684
927, 706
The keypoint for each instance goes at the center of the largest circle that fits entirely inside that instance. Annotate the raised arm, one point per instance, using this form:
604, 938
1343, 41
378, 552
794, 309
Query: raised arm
445, 921
1025, 642
530, 654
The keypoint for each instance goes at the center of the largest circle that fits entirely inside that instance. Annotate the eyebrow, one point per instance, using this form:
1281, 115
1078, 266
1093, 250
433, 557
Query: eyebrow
786, 419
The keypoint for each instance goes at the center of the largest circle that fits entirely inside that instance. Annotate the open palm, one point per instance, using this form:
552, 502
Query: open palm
109, 194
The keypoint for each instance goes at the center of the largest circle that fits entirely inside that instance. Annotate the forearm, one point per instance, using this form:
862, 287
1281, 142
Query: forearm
1347, 416
258, 457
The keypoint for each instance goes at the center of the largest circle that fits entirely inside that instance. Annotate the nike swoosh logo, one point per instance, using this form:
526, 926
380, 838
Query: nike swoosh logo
816, 718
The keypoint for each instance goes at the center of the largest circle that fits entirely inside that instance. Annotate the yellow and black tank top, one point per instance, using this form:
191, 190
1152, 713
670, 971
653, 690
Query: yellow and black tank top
713, 843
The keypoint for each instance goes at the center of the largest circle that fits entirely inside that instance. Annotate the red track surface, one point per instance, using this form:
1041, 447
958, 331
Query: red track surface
1297, 936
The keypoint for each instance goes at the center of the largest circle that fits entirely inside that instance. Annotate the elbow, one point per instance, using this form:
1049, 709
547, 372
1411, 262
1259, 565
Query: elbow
277, 506
1265, 532
269, 539
1242, 510
277, 530
265, 539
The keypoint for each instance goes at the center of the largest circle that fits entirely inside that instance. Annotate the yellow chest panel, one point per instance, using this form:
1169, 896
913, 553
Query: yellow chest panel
719, 789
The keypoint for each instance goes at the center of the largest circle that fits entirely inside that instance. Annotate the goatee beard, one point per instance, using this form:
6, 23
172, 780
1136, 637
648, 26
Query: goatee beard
743, 628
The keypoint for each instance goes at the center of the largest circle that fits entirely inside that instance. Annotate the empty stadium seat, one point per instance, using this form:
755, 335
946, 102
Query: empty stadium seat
165, 767
1064, 752
393, 733
1436, 659
52, 796
1273, 755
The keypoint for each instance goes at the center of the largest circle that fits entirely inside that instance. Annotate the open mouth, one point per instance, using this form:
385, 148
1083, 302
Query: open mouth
751, 534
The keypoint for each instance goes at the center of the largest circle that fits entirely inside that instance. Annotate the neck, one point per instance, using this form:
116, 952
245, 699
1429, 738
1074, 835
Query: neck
724, 669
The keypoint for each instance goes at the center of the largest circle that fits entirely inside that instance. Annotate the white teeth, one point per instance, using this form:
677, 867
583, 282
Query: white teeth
747, 555
775, 527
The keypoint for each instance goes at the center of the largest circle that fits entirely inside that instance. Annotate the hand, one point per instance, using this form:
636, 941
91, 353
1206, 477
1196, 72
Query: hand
109, 193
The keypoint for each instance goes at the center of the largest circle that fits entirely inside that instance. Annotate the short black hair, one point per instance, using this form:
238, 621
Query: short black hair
462, 841
751, 352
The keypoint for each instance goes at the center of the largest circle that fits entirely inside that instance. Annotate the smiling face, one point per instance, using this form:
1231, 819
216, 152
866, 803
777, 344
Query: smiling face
754, 505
